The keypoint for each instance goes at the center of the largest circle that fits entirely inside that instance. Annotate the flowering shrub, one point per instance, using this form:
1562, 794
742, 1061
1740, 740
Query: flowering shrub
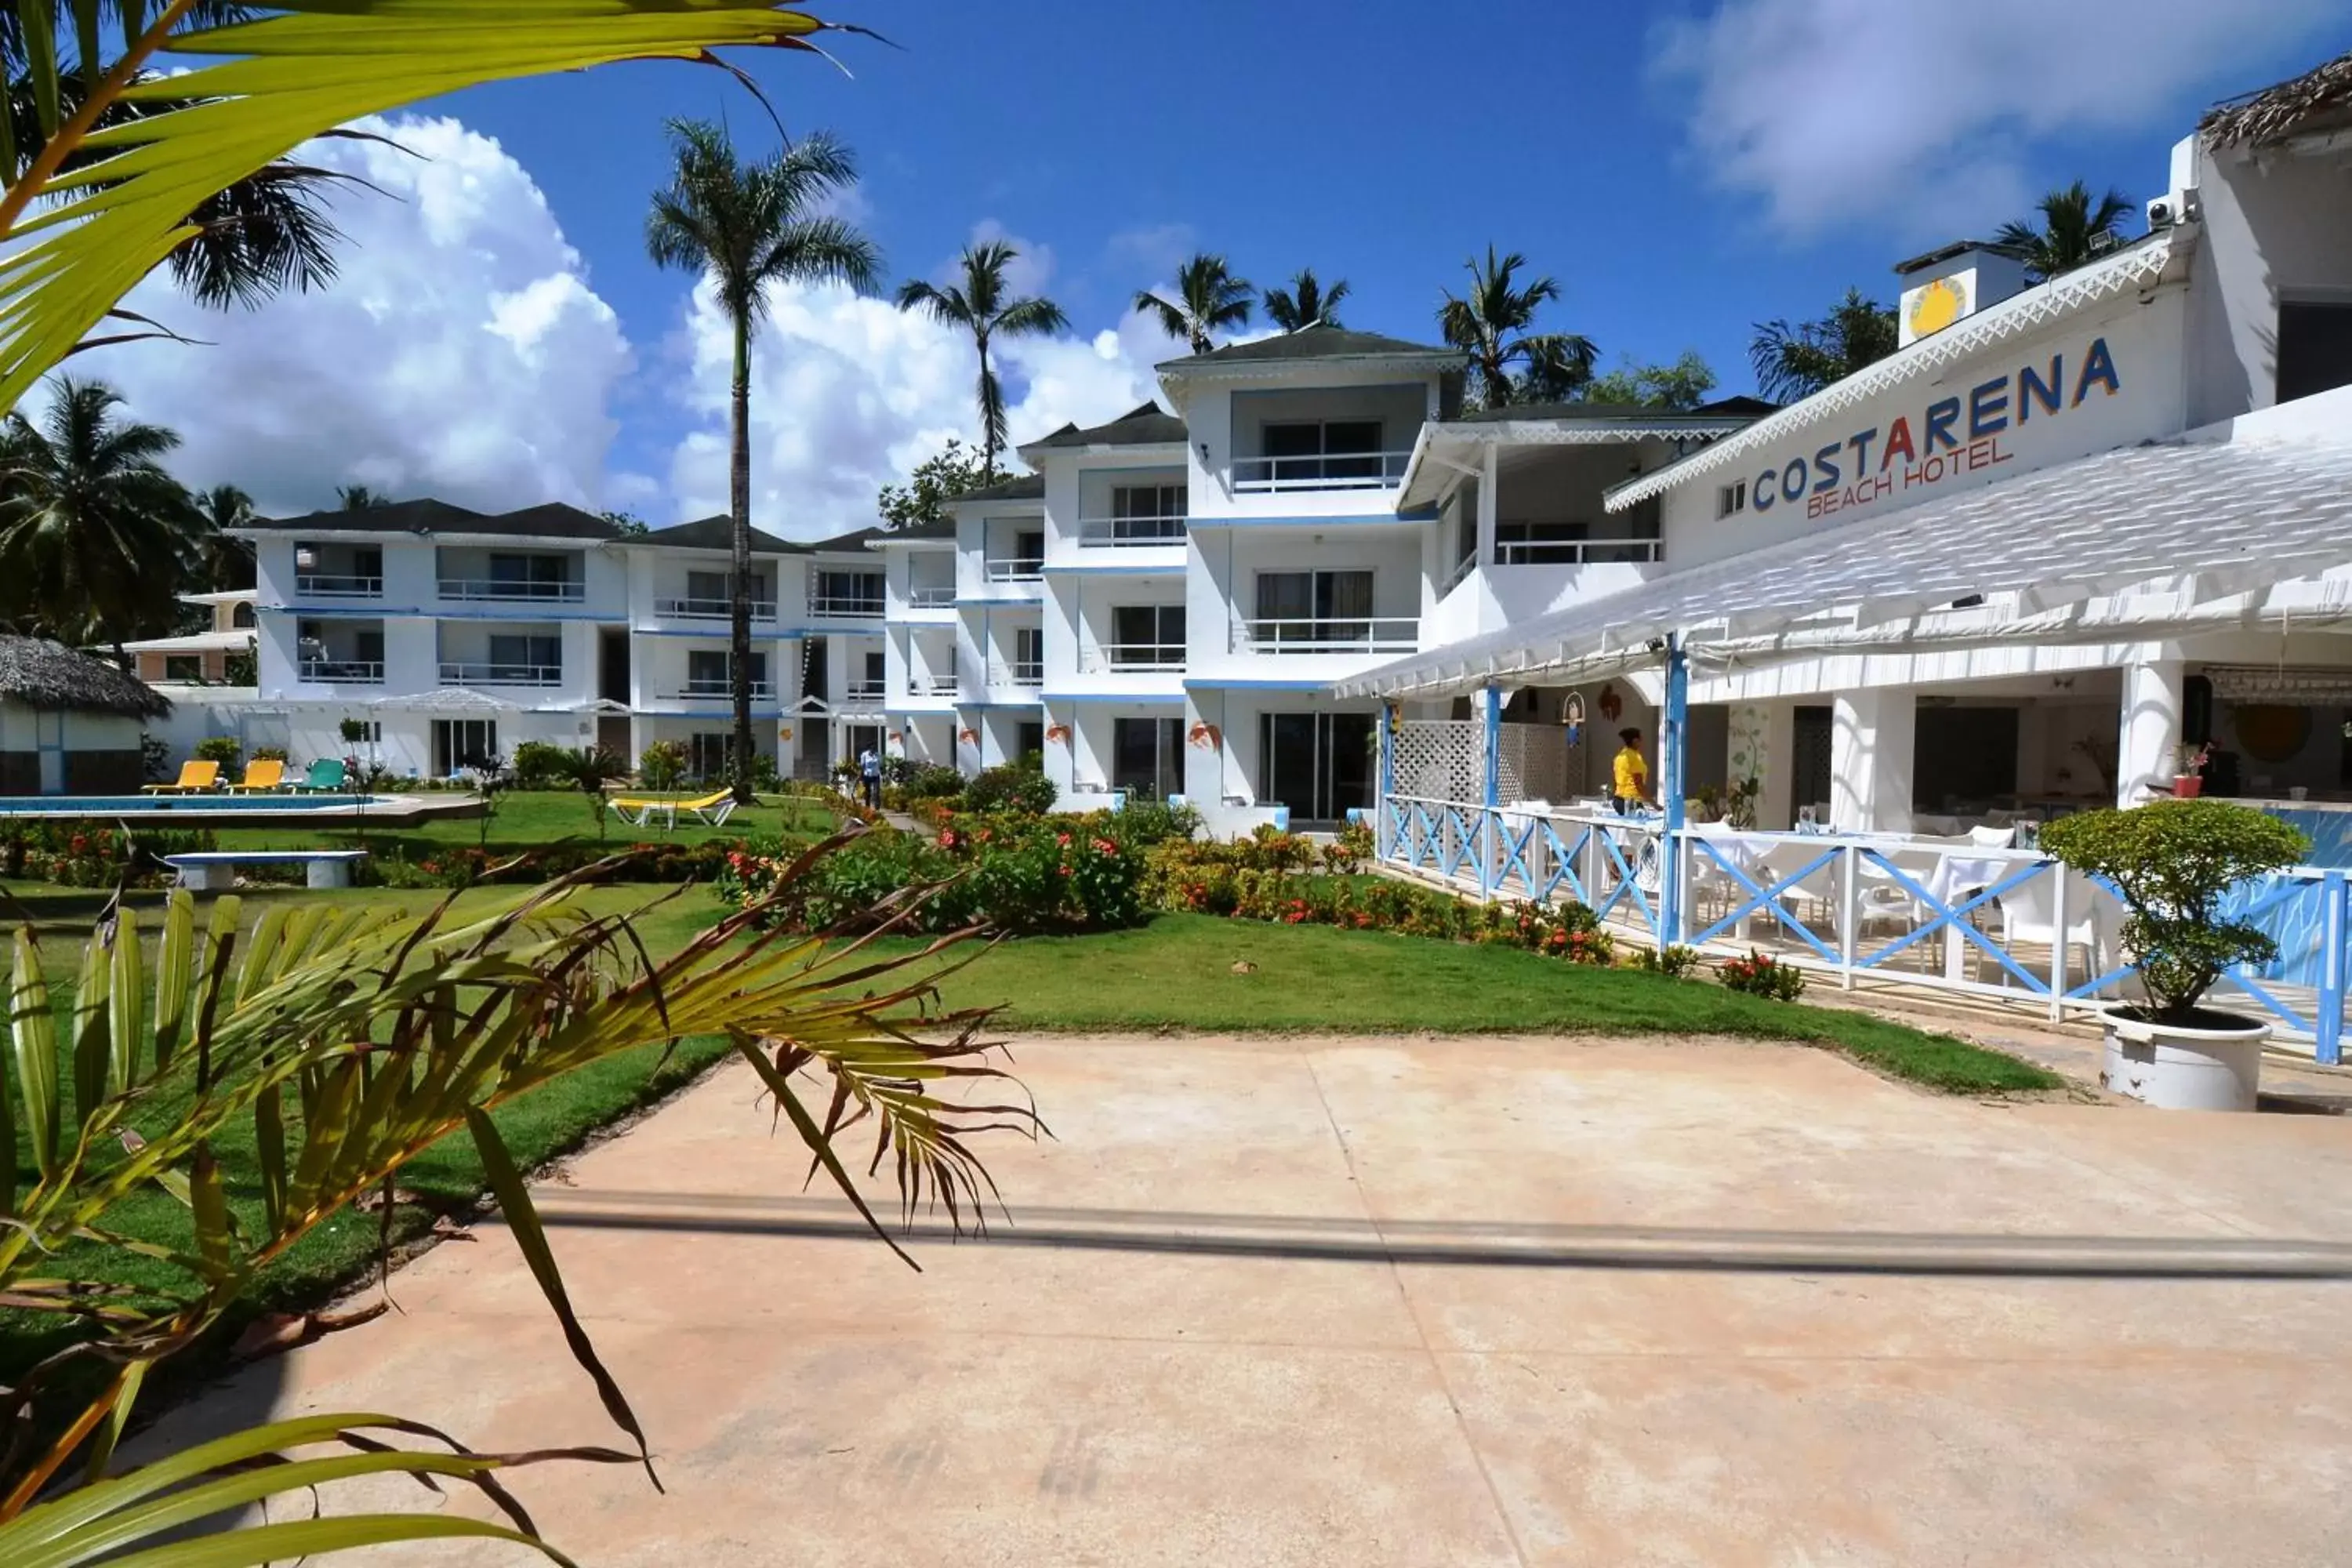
1761, 976
1350, 850
1010, 788
83, 855
1018, 874
428, 865
1673, 962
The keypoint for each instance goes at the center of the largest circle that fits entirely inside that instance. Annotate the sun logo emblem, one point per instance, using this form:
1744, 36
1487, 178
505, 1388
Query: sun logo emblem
1937, 306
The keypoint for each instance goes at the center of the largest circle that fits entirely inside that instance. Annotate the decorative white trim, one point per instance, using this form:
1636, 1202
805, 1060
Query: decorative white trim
2136, 268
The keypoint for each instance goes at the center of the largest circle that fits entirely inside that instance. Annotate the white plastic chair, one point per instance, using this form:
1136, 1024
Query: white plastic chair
2029, 914
1993, 838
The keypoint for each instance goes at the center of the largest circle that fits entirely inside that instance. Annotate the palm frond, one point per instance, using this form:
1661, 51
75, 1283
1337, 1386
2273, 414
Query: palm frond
98, 224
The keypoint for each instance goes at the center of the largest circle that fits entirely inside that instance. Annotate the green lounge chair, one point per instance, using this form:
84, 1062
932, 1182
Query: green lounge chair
327, 777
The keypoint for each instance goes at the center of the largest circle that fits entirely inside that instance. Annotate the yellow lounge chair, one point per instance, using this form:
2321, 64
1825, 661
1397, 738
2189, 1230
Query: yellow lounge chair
260, 777
711, 810
196, 778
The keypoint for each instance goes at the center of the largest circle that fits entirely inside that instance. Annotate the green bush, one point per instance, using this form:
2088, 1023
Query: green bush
222, 748
929, 781
84, 854
541, 765
669, 862
1674, 962
1760, 974
662, 765
2173, 862
268, 754
1019, 789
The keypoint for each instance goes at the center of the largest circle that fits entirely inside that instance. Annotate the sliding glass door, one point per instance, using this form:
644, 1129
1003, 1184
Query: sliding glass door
1317, 764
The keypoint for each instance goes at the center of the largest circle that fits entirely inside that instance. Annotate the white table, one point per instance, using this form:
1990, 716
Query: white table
209, 870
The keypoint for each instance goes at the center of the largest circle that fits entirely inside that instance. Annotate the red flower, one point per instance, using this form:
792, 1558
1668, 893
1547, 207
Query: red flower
1061, 838
1105, 847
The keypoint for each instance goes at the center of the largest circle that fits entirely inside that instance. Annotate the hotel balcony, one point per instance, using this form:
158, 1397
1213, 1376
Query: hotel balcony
330, 571
691, 609
1130, 533
719, 689
1016, 569
1288, 636
847, 606
473, 576
931, 597
341, 671
462, 674
1320, 471
1132, 659
1020, 675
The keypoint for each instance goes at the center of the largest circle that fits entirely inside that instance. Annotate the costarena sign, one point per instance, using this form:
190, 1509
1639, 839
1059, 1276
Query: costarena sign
1955, 435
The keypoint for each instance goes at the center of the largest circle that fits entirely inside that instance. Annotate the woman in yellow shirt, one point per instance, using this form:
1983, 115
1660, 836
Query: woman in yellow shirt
1632, 775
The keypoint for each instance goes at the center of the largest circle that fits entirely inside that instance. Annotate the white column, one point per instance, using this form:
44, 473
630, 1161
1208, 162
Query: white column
2147, 745
1489, 487
1872, 735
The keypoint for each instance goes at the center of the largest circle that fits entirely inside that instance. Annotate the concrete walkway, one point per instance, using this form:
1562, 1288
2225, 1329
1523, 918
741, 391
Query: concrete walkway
1429, 1302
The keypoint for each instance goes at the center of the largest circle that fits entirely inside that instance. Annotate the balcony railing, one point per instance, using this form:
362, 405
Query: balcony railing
1016, 569
343, 671
932, 597
1385, 634
932, 686
711, 609
1577, 551
501, 674
1133, 658
868, 691
1017, 674
846, 607
1129, 532
337, 585
512, 589
1321, 471
721, 686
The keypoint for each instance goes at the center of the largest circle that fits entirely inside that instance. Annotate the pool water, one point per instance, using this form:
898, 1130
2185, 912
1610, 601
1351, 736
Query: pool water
121, 805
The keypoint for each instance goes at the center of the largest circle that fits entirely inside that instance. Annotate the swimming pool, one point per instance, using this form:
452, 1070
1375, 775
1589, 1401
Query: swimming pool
117, 804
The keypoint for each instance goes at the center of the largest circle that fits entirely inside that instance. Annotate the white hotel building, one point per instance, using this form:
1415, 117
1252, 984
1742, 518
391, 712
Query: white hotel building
453, 634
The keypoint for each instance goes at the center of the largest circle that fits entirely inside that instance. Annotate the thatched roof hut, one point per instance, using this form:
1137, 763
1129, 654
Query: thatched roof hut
54, 677
2318, 102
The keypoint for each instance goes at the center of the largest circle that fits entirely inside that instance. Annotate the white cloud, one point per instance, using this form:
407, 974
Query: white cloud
849, 394
461, 352
1834, 109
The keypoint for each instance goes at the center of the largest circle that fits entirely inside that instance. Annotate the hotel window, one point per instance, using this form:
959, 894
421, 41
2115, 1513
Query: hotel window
1030, 737
240, 617
1148, 512
1349, 449
707, 753
1147, 636
848, 594
464, 743
1029, 655
2314, 347
525, 657
1148, 757
183, 667
708, 672
1313, 607
1730, 499
530, 576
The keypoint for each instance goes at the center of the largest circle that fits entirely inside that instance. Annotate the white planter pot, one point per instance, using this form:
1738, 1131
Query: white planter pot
2178, 1069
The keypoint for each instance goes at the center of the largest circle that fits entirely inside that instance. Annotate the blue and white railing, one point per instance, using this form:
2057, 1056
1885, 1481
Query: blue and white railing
2005, 924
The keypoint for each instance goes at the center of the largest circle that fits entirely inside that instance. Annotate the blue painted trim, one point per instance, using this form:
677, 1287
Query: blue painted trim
2327, 1031
1678, 728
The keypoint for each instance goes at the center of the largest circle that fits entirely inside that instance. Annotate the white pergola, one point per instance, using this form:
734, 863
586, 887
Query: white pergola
2145, 543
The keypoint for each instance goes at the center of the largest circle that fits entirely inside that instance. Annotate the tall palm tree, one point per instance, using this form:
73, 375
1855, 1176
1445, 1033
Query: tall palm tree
358, 498
223, 561
95, 536
1509, 364
1795, 359
746, 227
1305, 303
2076, 228
978, 305
1208, 297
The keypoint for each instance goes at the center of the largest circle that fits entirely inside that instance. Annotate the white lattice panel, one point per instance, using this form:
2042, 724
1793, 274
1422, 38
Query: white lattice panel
1534, 762
1439, 759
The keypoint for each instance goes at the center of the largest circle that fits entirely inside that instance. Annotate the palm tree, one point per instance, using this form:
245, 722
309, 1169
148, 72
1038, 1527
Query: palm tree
1208, 297
1490, 324
2076, 228
95, 536
358, 498
1794, 361
747, 227
224, 561
978, 305
1305, 303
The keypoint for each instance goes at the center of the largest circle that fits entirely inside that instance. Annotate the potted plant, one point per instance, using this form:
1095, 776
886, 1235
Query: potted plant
2190, 782
2173, 862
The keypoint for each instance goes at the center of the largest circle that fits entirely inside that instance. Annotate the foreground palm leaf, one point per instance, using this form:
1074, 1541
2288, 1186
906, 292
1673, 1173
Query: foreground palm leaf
348, 1040
109, 204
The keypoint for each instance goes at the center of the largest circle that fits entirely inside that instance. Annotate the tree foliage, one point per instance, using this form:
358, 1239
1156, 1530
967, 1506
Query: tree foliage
1795, 359
953, 472
1493, 323
1208, 299
1305, 303
1676, 388
2075, 227
2175, 863
982, 304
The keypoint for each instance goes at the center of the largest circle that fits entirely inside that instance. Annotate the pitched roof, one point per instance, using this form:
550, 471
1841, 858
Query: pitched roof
1319, 341
1708, 415
1149, 426
1021, 487
843, 542
43, 674
425, 515
2318, 100
714, 533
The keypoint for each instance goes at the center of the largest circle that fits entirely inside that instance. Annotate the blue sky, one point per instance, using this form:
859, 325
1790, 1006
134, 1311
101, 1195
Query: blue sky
1683, 169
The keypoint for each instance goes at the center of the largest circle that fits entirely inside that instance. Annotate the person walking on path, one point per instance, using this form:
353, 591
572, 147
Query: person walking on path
869, 773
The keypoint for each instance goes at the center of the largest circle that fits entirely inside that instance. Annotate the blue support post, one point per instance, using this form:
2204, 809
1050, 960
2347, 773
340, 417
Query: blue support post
1381, 807
1493, 751
1672, 743
2327, 1022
